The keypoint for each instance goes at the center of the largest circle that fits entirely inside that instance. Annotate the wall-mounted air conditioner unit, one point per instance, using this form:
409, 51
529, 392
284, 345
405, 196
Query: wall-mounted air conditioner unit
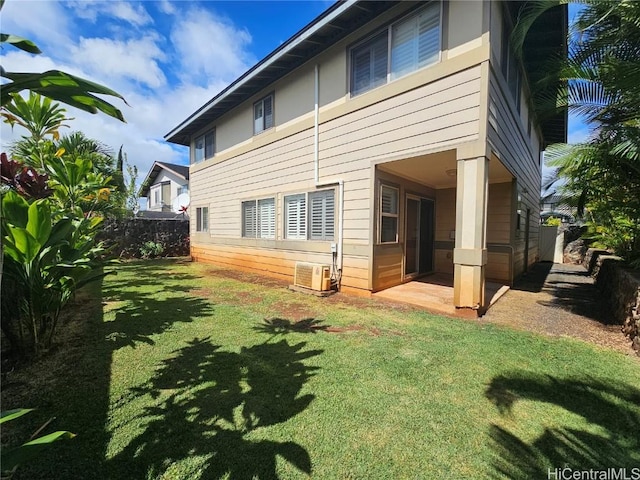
313, 276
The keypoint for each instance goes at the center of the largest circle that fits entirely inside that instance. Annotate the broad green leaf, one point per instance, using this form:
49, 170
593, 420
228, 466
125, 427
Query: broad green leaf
60, 232
15, 209
9, 415
19, 42
39, 224
63, 87
24, 453
25, 245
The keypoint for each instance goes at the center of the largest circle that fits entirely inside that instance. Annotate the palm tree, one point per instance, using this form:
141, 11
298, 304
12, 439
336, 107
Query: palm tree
599, 83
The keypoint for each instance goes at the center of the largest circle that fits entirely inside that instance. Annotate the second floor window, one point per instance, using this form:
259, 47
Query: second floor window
263, 114
399, 49
204, 147
509, 66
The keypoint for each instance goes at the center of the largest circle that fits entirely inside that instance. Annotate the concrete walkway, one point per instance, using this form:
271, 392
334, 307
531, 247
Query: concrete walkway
559, 300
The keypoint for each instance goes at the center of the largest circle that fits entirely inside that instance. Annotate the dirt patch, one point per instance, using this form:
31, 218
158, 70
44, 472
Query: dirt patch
293, 311
559, 302
247, 277
242, 298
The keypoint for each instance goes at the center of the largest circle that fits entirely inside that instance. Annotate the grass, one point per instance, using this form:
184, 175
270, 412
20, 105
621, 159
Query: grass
176, 370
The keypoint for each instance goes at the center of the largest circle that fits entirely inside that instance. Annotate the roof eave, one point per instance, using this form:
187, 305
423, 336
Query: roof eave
176, 135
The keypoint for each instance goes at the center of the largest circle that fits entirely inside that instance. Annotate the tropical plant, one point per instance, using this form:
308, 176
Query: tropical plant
151, 249
45, 262
76, 184
37, 114
552, 222
55, 84
11, 458
601, 176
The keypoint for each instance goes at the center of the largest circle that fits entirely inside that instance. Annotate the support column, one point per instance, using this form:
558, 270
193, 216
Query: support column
470, 252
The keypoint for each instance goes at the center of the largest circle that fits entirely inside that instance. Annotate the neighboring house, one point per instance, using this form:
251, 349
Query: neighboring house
166, 187
398, 135
555, 206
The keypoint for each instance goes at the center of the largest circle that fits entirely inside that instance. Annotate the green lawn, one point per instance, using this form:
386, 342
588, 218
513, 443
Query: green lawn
179, 371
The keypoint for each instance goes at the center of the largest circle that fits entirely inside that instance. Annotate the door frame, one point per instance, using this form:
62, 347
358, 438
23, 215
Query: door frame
416, 273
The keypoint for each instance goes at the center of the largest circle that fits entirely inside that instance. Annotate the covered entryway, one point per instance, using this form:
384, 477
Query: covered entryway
452, 225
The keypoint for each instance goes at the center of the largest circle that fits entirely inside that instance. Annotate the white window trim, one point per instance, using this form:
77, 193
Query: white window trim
307, 226
389, 29
273, 113
382, 214
202, 221
257, 225
203, 136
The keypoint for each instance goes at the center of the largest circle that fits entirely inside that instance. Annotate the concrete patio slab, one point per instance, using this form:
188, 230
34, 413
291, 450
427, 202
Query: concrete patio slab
435, 293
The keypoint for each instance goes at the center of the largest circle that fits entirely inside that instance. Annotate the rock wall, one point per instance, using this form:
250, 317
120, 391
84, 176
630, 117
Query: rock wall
126, 236
575, 247
620, 287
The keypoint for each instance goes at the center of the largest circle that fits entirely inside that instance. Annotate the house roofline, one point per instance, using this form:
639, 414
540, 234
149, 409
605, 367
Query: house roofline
307, 40
152, 174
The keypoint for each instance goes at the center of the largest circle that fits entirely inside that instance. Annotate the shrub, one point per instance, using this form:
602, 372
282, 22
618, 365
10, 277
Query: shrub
552, 222
151, 249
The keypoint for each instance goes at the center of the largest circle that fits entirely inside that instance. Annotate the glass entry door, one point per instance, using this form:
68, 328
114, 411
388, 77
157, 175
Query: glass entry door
419, 228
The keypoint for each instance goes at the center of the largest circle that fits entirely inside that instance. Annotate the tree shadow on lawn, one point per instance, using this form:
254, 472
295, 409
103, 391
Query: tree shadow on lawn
283, 326
139, 315
612, 407
205, 405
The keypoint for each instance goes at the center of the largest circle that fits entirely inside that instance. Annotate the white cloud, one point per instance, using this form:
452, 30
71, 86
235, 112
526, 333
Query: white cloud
135, 59
132, 13
167, 7
50, 25
208, 46
206, 50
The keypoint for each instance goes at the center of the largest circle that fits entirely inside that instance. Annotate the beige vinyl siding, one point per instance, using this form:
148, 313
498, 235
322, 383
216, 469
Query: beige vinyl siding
414, 115
499, 213
499, 227
507, 136
465, 26
445, 224
498, 267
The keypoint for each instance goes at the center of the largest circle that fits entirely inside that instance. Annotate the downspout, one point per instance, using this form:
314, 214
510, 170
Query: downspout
316, 168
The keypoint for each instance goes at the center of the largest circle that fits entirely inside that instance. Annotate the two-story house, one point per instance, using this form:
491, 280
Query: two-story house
166, 187
388, 139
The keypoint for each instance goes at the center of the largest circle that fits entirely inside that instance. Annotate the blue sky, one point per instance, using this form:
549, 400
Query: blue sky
166, 57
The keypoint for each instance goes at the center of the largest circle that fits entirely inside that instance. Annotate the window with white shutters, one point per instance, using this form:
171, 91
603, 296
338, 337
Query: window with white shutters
263, 114
400, 48
295, 217
322, 215
415, 42
259, 218
249, 219
267, 218
369, 64
388, 214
